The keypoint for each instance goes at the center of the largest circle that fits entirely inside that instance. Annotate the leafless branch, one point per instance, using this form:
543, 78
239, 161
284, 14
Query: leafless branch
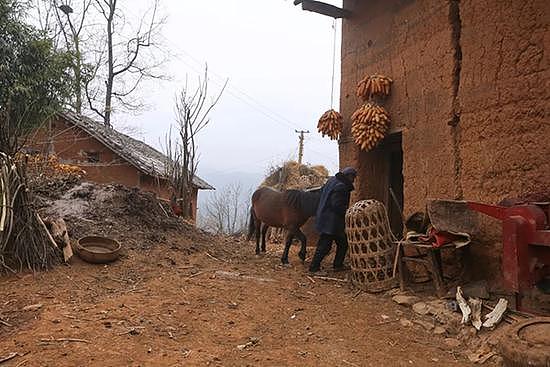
192, 111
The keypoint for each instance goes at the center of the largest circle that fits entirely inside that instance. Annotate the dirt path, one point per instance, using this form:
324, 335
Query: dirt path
165, 307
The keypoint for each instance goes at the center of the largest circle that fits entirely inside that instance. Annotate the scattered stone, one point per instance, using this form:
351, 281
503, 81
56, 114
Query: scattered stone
251, 342
452, 342
232, 305
439, 330
384, 317
393, 292
421, 308
425, 324
405, 300
34, 307
405, 322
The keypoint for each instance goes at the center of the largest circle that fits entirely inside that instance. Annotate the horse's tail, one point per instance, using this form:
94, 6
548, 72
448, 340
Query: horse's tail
251, 224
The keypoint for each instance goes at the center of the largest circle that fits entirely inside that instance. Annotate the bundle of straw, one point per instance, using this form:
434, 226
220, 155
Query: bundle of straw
24, 239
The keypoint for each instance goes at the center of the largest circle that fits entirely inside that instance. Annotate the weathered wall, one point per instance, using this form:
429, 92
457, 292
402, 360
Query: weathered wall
471, 96
410, 42
70, 144
504, 101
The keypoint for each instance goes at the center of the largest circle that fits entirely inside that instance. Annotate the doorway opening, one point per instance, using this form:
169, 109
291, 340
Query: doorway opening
381, 178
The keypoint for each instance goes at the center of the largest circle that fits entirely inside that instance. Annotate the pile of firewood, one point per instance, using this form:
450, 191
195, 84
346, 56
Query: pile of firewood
25, 241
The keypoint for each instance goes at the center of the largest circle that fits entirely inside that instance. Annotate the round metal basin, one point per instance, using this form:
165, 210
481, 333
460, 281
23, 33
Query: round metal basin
98, 250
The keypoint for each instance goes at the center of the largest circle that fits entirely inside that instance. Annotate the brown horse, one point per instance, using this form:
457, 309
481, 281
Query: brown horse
288, 209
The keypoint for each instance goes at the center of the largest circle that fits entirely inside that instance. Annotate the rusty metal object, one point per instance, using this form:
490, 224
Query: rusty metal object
525, 237
98, 250
527, 344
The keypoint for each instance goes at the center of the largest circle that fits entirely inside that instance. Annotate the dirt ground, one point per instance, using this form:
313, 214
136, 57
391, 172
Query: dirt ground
181, 297
166, 307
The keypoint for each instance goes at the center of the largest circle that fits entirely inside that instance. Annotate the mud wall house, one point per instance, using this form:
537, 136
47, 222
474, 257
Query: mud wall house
470, 103
109, 156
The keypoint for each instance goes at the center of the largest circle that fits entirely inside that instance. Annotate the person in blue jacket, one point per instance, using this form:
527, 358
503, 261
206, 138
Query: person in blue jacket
330, 218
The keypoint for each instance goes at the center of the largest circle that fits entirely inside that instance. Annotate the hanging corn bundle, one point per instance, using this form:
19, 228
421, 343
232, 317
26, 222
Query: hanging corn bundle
373, 86
24, 239
331, 124
369, 125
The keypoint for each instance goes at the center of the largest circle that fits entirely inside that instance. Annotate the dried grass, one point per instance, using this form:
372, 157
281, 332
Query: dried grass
292, 175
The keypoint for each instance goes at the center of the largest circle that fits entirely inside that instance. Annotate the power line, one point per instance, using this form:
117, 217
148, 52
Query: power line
244, 97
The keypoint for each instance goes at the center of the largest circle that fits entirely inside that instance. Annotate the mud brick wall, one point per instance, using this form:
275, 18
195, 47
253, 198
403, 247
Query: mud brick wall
71, 145
471, 96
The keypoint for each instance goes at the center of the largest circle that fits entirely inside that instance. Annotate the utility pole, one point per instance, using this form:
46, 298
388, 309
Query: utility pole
301, 144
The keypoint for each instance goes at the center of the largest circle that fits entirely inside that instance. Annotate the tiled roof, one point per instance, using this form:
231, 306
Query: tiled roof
142, 156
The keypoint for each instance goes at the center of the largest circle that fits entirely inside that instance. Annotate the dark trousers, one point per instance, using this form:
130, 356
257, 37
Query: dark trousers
323, 248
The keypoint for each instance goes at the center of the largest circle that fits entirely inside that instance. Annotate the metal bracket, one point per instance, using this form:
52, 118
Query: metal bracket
323, 8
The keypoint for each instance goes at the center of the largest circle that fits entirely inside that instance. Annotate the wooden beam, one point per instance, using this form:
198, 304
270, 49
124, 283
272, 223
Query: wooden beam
323, 8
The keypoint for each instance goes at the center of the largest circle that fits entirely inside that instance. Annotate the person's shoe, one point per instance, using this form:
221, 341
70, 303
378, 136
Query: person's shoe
319, 273
314, 269
341, 268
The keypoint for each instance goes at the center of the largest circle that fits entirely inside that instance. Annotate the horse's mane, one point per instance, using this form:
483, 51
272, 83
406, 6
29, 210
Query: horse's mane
305, 201
294, 198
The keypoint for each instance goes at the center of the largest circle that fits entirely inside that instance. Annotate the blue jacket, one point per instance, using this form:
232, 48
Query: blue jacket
333, 203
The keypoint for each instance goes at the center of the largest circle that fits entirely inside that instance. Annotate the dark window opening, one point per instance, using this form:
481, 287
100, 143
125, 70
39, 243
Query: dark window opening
92, 157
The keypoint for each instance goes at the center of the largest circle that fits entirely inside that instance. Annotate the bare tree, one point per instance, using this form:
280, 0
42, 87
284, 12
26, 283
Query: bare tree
113, 53
226, 211
127, 62
192, 116
72, 37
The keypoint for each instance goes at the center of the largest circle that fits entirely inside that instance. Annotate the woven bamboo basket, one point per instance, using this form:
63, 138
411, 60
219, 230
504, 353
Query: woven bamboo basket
371, 246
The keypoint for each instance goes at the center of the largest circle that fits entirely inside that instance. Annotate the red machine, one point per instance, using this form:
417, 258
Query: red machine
525, 242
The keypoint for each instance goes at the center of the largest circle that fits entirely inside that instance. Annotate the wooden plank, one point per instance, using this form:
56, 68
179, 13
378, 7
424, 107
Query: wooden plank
323, 8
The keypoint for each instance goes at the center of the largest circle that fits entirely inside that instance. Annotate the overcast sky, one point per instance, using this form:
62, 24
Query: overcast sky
278, 59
